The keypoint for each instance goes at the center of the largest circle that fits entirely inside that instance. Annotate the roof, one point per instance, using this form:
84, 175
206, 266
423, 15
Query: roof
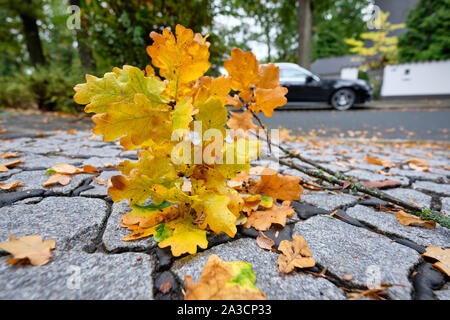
334, 65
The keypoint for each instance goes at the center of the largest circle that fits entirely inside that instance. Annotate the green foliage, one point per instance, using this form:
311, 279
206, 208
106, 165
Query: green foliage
329, 41
427, 37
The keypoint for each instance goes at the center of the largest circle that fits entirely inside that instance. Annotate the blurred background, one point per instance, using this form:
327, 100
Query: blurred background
47, 46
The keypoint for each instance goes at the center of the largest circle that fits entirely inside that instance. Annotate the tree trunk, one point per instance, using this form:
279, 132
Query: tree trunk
84, 50
304, 33
32, 39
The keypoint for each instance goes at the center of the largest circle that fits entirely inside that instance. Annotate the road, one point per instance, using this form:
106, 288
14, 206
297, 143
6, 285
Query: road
412, 124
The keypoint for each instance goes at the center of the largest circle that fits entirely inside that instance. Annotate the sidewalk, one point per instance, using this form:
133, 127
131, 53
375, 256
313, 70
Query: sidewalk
92, 262
408, 103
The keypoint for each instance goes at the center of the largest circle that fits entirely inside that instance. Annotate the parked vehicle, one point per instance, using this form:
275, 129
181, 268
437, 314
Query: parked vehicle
304, 86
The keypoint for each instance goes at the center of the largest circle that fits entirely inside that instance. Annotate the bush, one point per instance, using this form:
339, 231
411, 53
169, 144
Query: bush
48, 88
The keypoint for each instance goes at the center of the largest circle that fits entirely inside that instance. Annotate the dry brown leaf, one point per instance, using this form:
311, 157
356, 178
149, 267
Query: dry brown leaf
3, 130
278, 187
251, 202
294, 254
441, 255
55, 179
69, 169
165, 287
417, 162
262, 220
217, 282
4, 167
10, 186
8, 155
109, 165
71, 131
373, 160
32, 248
407, 220
238, 181
264, 242
102, 182
381, 184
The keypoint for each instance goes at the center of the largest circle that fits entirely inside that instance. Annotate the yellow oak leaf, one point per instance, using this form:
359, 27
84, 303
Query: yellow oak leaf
219, 217
263, 220
30, 248
182, 115
150, 215
269, 76
294, 254
243, 70
213, 115
222, 280
182, 60
141, 120
117, 86
185, 238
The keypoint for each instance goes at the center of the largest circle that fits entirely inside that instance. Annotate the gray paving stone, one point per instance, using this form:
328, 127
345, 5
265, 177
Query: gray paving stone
9, 173
72, 222
34, 180
327, 200
99, 190
345, 249
387, 223
369, 176
417, 174
443, 189
112, 237
100, 162
445, 206
73, 275
296, 286
444, 293
410, 195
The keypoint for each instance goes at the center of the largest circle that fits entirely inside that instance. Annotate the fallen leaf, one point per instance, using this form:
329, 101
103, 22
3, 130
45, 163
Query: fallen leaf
71, 131
384, 163
165, 287
284, 187
348, 277
262, 220
4, 167
221, 280
407, 219
32, 248
109, 165
55, 179
102, 182
8, 155
3, 131
295, 253
69, 169
239, 180
441, 255
9, 186
264, 242
381, 184
417, 162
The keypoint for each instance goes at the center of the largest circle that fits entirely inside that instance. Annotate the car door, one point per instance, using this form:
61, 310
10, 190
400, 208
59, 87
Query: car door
295, 81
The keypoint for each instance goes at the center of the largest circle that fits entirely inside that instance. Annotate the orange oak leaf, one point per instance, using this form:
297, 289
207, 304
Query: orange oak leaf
55, 179
266, 100
278, 187
9, 186
243, 121
243, 69
221, 280
294, 254
29, 248
441, 255
262, 220
373, 160
4, 167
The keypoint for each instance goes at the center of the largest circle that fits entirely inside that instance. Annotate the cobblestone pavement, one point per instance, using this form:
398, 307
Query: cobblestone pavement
357, 245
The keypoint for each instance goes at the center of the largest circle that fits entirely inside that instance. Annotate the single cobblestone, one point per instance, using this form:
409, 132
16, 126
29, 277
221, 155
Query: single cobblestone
367, 256
443, 189
411, 196
77, 275
327, 200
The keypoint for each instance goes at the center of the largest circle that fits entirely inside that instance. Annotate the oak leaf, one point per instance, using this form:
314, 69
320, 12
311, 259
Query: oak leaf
373, 160
441, 255
222, 280
10, 186
243, 120
8, 155
150, 215
243, 69
284, 187
262, 220
55, 179
4, 167
294, 254
30, 248
407, 220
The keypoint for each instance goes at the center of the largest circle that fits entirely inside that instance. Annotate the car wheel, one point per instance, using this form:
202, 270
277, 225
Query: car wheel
343, 99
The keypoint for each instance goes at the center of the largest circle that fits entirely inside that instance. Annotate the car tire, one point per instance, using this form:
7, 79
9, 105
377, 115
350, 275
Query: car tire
343, 99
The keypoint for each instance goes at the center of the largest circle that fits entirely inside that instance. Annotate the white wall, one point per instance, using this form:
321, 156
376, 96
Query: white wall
417, 79
349, 73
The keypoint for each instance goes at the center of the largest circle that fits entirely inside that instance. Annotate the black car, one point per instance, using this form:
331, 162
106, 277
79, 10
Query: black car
304, 86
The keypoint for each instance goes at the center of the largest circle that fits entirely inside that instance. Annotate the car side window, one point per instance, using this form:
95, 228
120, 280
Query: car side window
293, 74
